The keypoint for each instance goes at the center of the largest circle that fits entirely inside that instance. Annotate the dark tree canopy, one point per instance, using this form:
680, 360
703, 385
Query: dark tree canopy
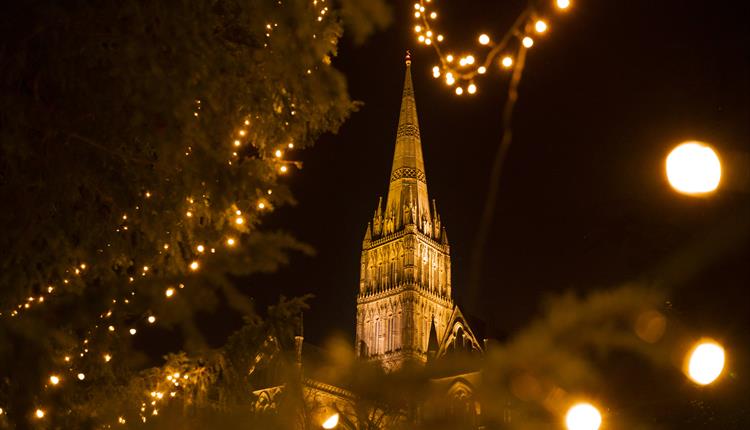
141, 144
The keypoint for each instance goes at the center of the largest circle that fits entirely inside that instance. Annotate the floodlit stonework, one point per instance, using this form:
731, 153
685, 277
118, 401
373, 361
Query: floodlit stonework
405, 273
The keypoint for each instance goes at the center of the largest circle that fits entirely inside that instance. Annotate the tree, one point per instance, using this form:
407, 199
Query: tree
141, 145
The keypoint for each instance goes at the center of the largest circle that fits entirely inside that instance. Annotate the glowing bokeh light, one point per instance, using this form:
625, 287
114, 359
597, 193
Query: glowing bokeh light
563, 4
583, 416
706, 362
331, 422
693, 168
507, 62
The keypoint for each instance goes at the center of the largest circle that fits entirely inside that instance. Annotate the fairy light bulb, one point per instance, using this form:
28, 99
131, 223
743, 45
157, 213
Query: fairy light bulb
239, 220
563, 4
449, 79
540, 26
54, 379
484, 39
81, 376
133, 331
200, 248
169, 292
151, 319
436, 72
472, 89
527, 42
39, 413
283, 169
459, 91
194, 265
482, 70
507, 62
230, 241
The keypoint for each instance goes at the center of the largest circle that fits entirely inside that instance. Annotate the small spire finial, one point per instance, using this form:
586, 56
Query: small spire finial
408, 57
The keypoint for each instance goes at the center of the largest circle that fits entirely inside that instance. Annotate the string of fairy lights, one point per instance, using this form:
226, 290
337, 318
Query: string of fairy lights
240, 221
461, 71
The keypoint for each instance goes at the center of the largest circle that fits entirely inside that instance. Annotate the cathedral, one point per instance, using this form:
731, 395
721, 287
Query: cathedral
405, 309
405, 298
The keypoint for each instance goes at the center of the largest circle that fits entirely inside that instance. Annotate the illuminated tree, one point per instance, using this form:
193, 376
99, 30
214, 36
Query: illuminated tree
141, 146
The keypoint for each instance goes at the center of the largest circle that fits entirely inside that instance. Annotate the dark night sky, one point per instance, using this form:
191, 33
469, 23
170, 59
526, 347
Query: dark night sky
583, 203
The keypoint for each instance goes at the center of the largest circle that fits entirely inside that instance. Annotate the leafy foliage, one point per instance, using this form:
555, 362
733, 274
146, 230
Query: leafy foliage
118, 159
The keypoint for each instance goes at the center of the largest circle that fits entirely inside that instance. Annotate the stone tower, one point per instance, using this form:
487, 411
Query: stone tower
404, 304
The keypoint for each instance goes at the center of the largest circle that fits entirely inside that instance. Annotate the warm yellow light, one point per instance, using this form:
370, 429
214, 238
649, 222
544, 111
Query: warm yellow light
133, 331
484, 39
261, 205
111, 328
242, 132
436, 72
470, 59
417, 28
81, 376
188, 214
283, 169
459, 91
417, 6
331, 422
421, 38
449, 58
440, 38
107, 358
417, 14
583, 416
563, 4
449, 79
230, 241
194, 265
528, 42
428, 41
433, 15
169, 292
200, 248
121, 420
239, 220
706, 362
39, 413
540, 26
507, 62
482, 70
236, 143
693, 168
151, 319
54, 380
290, 145
472, 89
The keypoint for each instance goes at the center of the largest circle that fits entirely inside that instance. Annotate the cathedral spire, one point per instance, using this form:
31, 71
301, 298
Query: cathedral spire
408, 178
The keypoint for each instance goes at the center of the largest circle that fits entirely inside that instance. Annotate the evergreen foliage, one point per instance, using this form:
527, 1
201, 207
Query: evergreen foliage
118, 159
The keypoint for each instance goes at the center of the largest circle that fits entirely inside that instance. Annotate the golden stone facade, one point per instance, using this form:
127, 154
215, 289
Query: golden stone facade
405, 272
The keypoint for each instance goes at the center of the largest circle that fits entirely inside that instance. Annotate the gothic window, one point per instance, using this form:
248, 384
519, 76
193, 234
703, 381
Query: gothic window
462, 407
